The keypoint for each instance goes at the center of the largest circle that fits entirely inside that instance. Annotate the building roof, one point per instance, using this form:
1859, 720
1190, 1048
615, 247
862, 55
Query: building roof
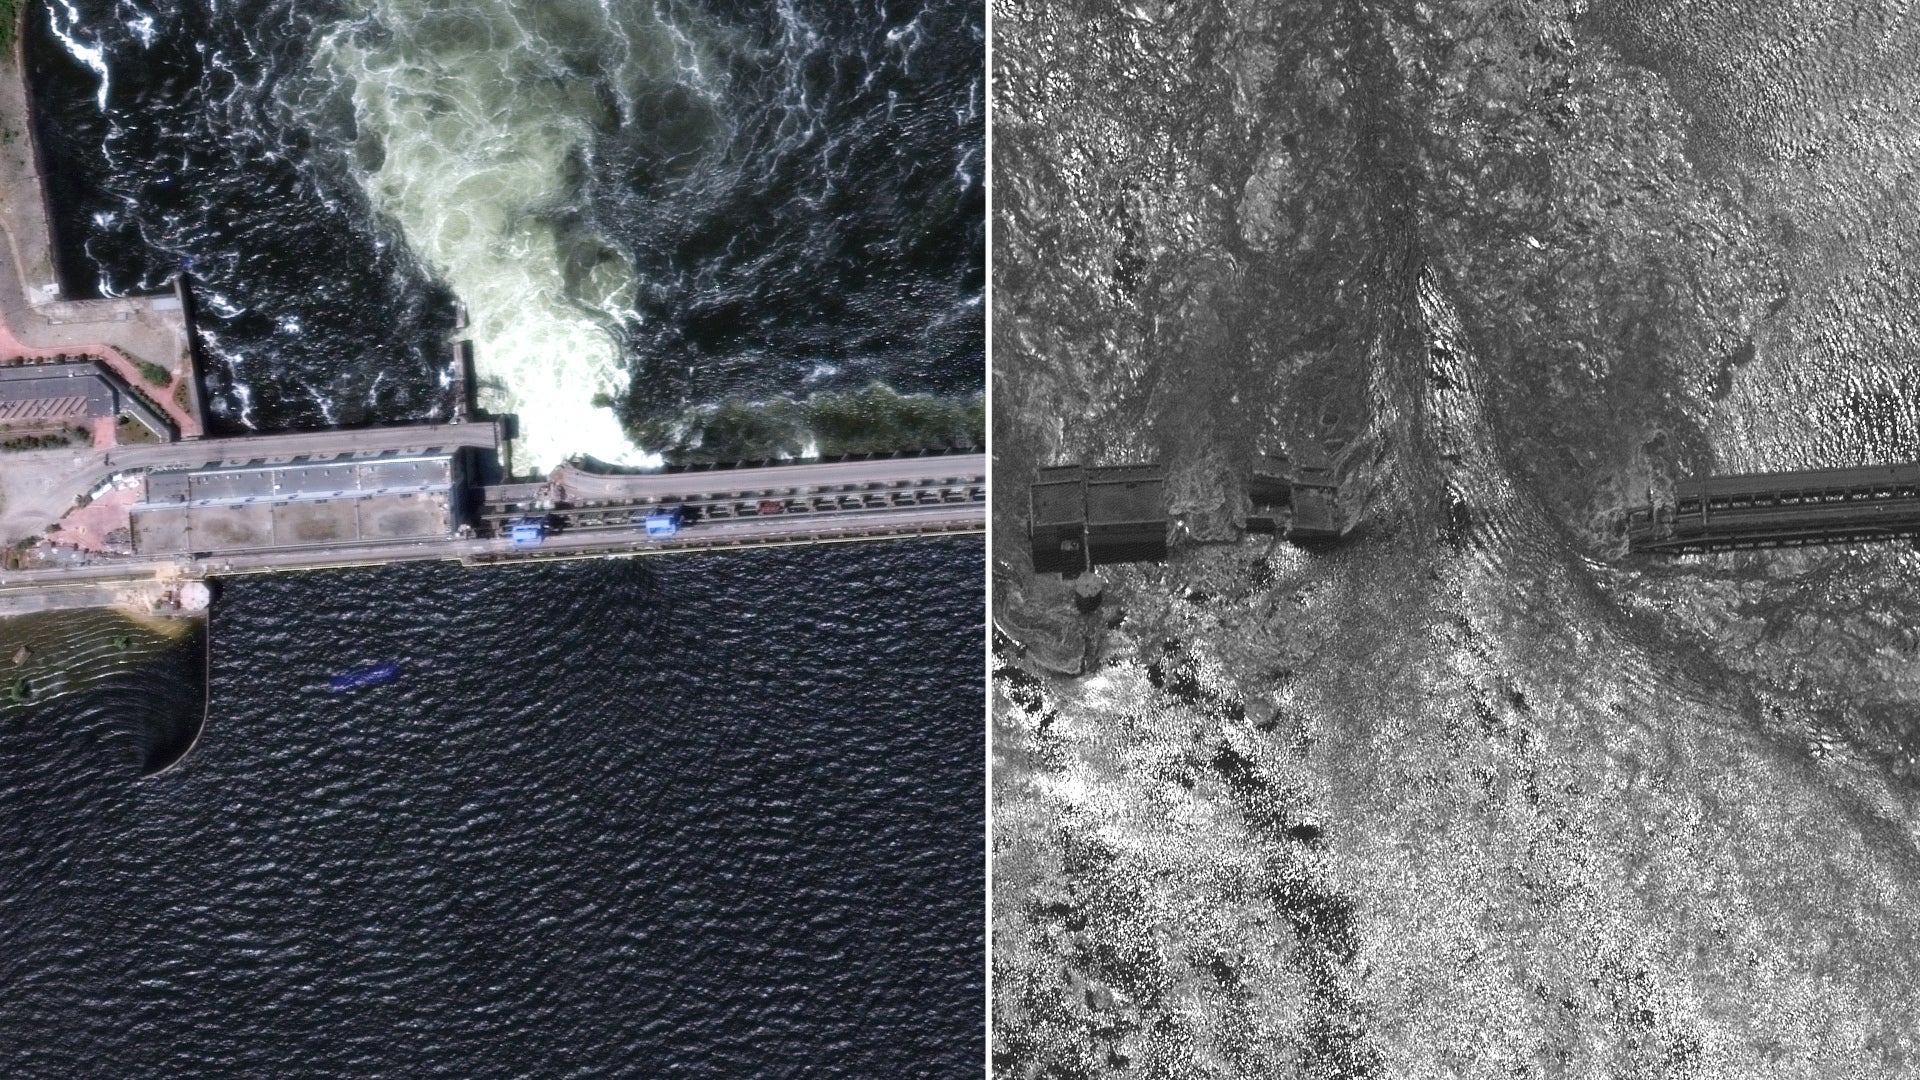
1126, 495
1059, 496
302, 479
48, 392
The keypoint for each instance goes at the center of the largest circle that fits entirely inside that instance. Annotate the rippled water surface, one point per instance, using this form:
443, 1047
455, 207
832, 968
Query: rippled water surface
711, 816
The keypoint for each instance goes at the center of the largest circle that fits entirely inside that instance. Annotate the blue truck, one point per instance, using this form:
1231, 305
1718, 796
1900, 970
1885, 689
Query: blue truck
528, 532
664, 522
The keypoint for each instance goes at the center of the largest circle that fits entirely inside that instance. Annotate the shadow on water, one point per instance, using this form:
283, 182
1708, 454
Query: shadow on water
174, 701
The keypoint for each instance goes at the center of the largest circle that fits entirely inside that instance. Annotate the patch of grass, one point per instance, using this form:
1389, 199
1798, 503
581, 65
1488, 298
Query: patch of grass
9, 20
153, 373
128, 431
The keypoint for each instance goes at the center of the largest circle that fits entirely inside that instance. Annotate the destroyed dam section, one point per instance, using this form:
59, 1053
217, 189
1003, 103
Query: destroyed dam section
111, 495
1080, 517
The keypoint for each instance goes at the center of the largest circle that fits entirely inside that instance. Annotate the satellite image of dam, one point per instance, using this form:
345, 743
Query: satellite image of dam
450, 307
1454, 594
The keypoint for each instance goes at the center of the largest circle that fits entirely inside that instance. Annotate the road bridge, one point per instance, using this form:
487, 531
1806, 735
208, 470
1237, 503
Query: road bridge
581, 499
1783, 509
818, 503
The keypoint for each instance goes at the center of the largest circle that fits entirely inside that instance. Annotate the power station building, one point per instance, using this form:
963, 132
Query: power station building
1080, 517
1294, 496
301, 502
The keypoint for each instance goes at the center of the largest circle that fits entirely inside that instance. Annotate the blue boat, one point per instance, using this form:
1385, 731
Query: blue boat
360, 678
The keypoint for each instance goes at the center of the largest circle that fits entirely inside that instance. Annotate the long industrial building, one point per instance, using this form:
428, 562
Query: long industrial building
1083, 517
304, 501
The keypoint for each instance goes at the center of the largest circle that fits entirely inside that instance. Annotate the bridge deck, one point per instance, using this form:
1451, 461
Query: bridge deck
1826, 506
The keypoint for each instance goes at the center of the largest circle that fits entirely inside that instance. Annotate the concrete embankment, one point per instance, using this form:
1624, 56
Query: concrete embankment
38, 321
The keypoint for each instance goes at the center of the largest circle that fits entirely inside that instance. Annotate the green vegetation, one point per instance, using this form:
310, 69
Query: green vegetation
152, 372
876, 420
9, 20
127, 430
72, 436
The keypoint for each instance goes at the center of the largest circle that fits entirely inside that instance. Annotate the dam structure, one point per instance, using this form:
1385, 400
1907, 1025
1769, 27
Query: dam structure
1781, 509
131, 526
1080, 517
112, 494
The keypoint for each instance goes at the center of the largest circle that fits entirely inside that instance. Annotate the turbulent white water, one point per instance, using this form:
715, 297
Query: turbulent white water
476, 122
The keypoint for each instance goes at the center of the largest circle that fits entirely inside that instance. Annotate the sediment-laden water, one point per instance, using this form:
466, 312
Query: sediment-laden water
1470, 793
707, 816
649, 206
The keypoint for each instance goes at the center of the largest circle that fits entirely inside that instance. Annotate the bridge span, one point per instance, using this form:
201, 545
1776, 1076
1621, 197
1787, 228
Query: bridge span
1782, 509
261, 504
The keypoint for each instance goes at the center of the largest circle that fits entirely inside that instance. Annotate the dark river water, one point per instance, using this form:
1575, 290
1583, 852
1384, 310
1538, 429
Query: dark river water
716, 199
714, 816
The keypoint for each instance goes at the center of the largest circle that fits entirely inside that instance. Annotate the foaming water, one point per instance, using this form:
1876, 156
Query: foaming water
474, 127
658, 206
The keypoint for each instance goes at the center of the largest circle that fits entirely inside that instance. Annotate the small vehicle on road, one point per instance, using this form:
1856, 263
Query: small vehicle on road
528, 532
664, 522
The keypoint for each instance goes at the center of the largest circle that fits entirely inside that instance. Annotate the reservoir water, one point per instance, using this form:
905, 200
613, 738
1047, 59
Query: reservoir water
722, 815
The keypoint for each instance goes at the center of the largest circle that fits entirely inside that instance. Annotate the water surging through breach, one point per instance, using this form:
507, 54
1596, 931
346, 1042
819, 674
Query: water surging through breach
475, 126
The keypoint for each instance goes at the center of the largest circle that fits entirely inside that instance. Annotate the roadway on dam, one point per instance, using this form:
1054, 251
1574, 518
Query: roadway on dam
850, 501
96, 584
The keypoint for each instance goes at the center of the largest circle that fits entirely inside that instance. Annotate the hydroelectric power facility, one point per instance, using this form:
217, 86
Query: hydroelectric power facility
110, 493
1080, 517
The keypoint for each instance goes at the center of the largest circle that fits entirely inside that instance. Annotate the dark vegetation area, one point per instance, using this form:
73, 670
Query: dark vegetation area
49, 440
875, 420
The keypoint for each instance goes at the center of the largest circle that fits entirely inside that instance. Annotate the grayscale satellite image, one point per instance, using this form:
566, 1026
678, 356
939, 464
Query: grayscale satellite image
1455, 598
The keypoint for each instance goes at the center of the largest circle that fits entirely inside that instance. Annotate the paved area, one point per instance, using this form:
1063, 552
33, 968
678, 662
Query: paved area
103, 524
